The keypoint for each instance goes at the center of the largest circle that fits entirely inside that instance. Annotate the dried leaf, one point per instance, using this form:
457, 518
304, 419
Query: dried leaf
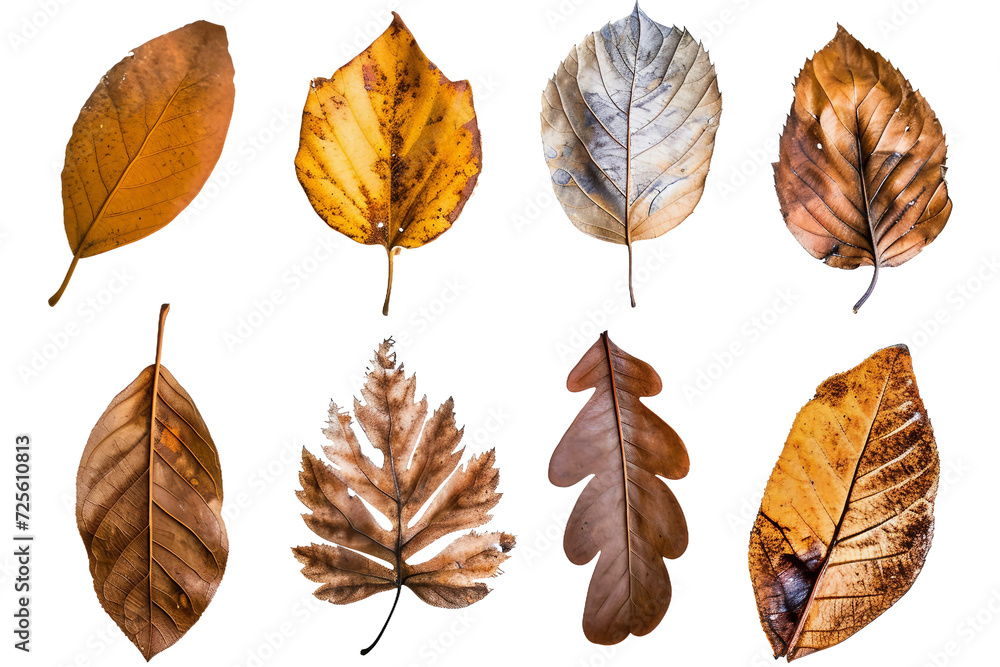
862, 162
628, 128
389, 150
418, 487
146, 140
625, 512
848, 514
149, 509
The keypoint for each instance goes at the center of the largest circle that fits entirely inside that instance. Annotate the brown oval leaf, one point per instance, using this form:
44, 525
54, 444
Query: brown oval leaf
149, 509
848, 514
860, 175
625, 512
389, 150
146, 140
420, 460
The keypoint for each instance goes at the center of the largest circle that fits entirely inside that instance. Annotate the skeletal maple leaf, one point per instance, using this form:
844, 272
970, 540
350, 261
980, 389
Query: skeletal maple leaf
419, 475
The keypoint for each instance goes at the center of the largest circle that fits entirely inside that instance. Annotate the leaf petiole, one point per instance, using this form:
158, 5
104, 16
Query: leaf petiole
399, 587
871, 288
54, 299
388, 288
631, 292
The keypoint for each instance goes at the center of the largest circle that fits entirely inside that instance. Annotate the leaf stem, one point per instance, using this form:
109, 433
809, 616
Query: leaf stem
164, 309
399, 587
631, 293
54, 299
388, 289
871, 287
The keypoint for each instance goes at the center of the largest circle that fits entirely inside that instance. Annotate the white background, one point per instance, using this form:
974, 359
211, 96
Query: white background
495, 312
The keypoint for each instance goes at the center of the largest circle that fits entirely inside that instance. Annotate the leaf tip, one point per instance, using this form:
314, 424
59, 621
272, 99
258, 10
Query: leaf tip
900, 348
385, 356
399, 26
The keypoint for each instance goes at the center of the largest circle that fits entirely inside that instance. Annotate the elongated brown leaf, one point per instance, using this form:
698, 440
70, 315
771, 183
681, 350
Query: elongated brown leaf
149, 509
419, 487
862, 161
848, 514
628, 128
389, 150
625, 512
146, 140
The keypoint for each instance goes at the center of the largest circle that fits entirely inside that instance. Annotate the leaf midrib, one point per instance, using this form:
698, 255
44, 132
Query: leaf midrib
621, 447
128, 168
155, 394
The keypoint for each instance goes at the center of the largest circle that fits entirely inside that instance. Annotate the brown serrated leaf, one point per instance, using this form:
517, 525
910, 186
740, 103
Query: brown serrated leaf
860, 175
389, 150
625, 512
149, 509
848, 514
146, 140
419, 475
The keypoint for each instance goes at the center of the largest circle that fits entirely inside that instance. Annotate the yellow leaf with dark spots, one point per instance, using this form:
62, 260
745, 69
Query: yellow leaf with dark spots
389, 150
